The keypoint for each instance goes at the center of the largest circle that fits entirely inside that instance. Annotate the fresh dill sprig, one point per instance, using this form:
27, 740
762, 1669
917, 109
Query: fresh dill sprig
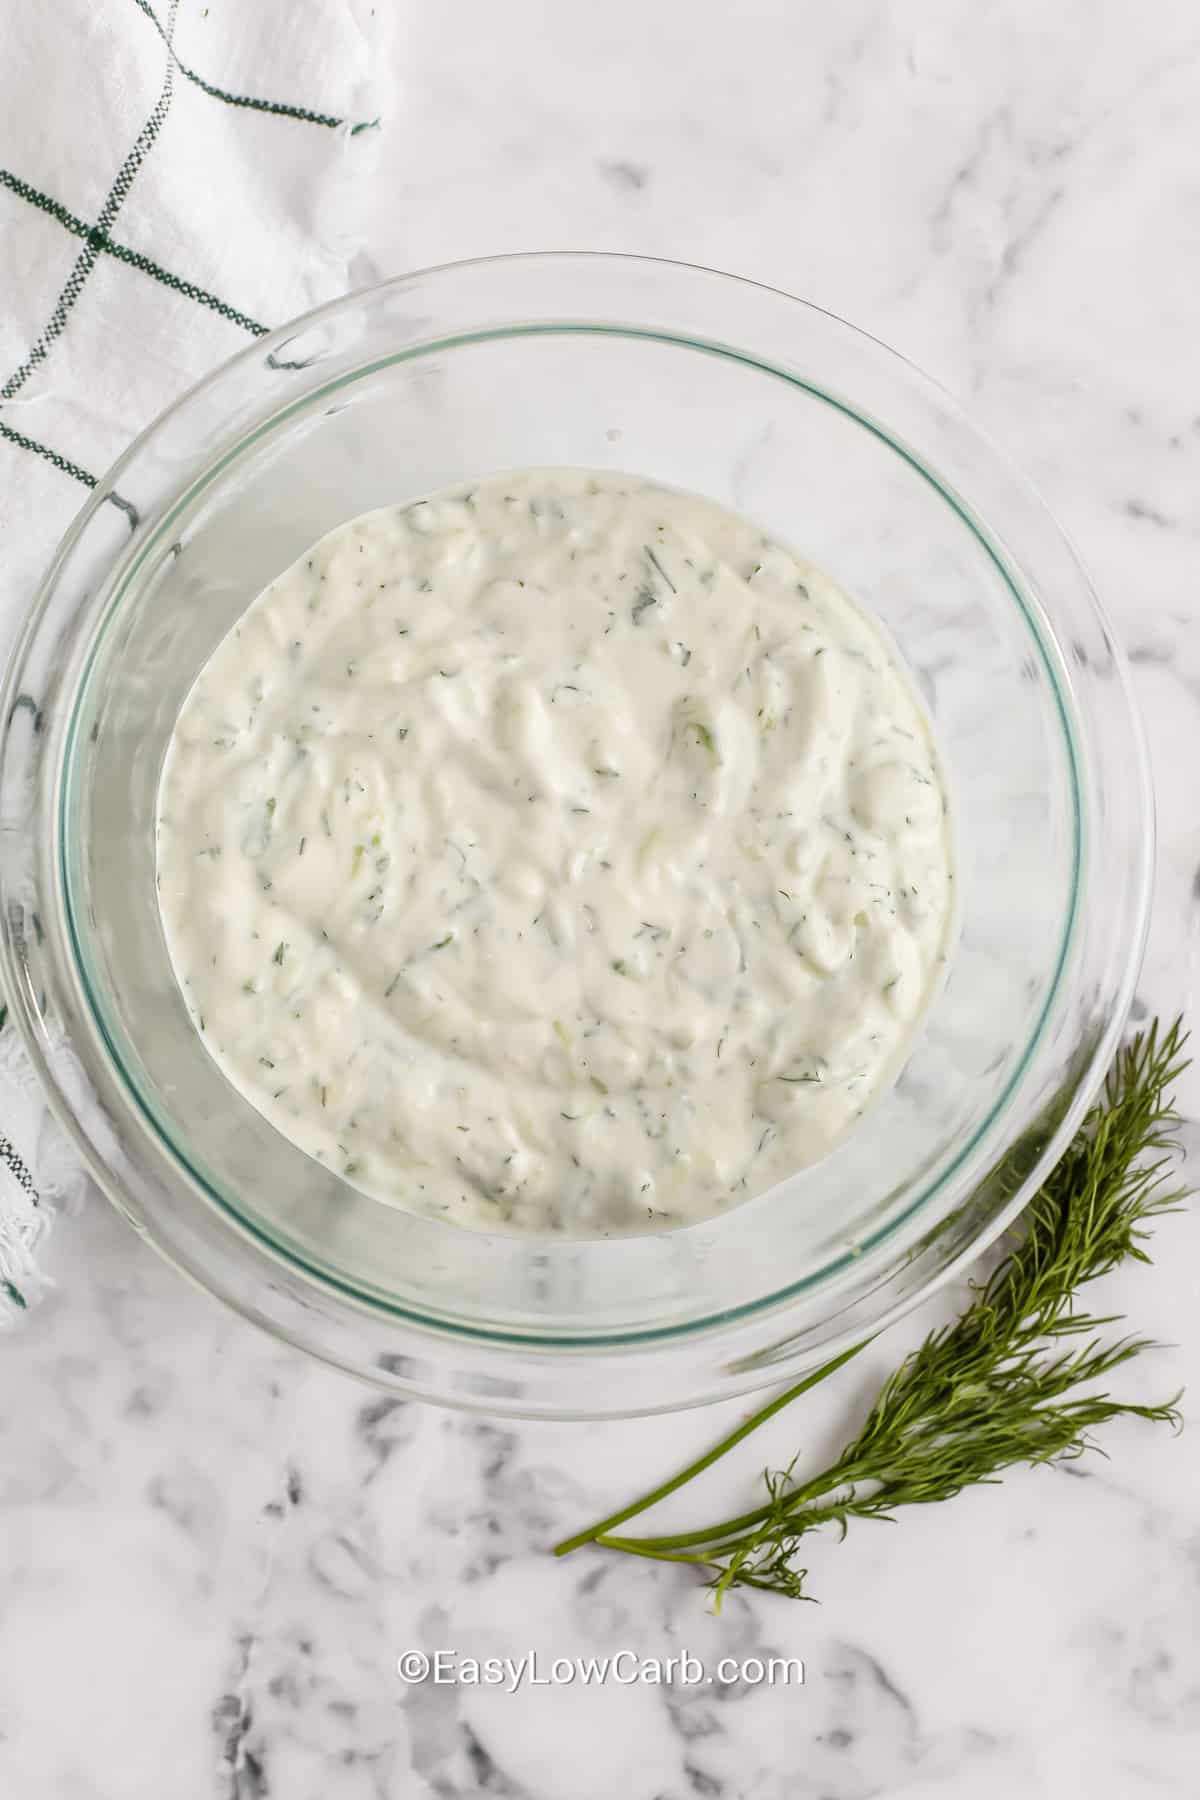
1012, 1380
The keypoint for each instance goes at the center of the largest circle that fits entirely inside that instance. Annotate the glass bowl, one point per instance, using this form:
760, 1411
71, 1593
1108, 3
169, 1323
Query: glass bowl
833, 444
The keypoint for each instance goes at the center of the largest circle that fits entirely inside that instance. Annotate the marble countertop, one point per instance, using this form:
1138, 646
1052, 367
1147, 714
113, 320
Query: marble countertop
212, 1551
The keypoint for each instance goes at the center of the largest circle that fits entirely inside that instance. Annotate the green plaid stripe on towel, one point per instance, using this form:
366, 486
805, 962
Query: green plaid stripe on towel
175, 178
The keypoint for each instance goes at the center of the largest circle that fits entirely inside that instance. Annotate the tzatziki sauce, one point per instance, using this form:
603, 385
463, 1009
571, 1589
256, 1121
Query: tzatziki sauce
558, 854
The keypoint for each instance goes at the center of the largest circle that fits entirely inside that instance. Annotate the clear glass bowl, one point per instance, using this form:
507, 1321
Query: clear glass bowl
833, 444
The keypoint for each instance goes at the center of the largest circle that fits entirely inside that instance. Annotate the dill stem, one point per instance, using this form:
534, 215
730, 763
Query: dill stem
593, 1532
720, 1537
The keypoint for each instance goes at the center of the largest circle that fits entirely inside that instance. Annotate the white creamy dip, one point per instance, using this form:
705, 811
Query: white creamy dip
558, 854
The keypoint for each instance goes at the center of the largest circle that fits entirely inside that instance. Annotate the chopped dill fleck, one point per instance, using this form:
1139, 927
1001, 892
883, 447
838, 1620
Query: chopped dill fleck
280, 953
658, 568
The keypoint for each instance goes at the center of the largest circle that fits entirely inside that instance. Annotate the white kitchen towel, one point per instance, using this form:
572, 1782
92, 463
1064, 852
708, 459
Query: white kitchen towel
175, 178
